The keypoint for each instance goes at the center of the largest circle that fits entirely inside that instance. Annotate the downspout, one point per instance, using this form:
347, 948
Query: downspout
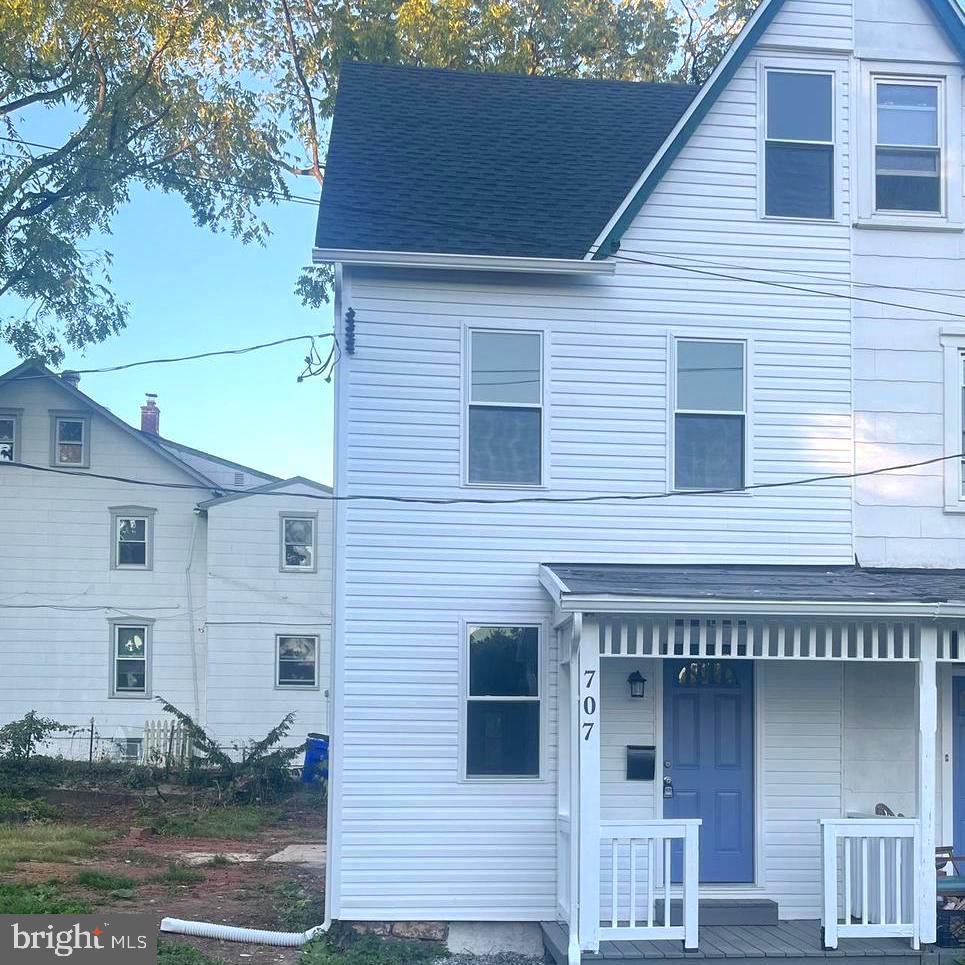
190, 598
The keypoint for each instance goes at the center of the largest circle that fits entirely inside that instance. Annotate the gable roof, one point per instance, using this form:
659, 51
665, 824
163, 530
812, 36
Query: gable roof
211, 457
34, 369
428, 160
279, 487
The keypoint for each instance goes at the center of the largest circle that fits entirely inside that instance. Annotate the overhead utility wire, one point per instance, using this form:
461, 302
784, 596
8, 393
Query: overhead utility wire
480, 501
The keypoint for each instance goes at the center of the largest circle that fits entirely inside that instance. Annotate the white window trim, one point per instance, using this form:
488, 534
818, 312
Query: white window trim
282, 566
465, 400
837, 194
132, 512
17, 416
503, 620
949, 81
57, 416
709, 335
278, 684
953, 349
147, 625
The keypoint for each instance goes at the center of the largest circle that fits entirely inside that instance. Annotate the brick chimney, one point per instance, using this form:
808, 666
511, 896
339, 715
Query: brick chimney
150, 415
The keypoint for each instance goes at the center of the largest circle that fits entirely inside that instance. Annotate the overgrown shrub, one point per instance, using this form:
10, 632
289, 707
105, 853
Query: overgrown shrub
343, 946
19, 810
20, 738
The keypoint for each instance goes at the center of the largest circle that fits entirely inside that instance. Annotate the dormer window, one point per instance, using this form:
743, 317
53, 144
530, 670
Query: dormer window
799, 145
69, 440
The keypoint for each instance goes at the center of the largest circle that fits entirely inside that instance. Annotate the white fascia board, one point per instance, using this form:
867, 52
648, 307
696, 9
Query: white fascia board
553, 585
605, 603
416, 259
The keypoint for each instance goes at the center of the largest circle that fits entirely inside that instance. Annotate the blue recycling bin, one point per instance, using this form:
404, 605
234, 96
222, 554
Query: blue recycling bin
316, 758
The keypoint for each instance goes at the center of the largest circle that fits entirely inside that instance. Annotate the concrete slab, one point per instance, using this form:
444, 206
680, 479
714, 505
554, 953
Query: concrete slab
313, 855
206, 857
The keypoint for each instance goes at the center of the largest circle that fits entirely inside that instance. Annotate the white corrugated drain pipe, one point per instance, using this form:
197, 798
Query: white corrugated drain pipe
231, 933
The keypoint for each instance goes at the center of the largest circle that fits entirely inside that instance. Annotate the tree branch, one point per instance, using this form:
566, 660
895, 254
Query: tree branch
316, 168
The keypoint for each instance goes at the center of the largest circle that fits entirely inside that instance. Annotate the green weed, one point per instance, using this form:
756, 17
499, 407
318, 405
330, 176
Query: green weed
45, 899
102, 881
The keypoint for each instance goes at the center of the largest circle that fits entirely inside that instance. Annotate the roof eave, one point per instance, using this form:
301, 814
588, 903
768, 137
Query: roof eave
459, 262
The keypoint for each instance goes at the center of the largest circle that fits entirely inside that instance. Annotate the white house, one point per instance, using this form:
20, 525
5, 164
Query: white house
603, 660
133, 567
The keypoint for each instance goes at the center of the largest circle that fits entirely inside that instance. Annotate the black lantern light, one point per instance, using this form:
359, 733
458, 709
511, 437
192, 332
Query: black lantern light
637, 684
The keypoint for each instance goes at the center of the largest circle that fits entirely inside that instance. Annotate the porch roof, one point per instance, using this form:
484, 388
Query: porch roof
581, 585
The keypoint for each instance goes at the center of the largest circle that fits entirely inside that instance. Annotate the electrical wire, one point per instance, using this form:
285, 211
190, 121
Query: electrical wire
512, 501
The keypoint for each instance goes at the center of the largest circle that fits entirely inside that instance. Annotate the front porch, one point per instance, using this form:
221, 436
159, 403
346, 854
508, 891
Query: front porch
778, 692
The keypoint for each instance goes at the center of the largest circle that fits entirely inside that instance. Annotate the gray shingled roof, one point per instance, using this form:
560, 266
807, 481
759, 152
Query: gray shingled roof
841, 584
429, 160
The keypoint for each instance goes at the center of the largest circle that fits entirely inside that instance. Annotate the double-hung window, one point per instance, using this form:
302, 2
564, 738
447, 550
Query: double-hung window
70, 440
908, 154
130, 659
709, 414
132, 534
505, 418
297, 543
503, 702
297, 661
9, 442
799, 144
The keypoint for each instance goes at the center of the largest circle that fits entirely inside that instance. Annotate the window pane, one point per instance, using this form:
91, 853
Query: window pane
908, 180
296, 648
132, 529
69, 430
708, 451
799, 180
502, 738
298, 530
70, 453
504, 662
300, 672
710, 375
130, 641
131, 554
300, 556
6, 430
907, 114
799, 106
505, 445
505, 367
130, 675
6, 452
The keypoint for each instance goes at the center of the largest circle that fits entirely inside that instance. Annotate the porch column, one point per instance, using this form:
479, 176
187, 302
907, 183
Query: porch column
589, 764
927, 732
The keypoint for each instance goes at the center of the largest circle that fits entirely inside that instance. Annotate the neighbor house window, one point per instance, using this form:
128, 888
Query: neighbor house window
297, 664
953, 350
298, 543
70, 440
709, 414
799, 144
503, 702
130, 647
132, 529
9, 443
908, 157
505, 419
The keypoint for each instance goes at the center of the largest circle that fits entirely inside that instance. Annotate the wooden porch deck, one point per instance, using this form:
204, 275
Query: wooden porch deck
793, 942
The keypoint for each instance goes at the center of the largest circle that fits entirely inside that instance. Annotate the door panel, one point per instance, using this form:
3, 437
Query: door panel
958, 765
709, 758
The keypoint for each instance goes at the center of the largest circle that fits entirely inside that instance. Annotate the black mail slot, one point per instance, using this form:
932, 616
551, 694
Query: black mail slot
640, 762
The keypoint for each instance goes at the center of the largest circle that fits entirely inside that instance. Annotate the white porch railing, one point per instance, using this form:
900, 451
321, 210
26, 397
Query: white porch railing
640, 880
870, 878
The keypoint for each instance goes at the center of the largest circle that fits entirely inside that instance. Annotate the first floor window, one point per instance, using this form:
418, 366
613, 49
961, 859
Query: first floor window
70, 444
132, 534
8, 438
799, 145
709, 414
297, 661
505, 419
298, 543
503, 702
908, 157
130, 652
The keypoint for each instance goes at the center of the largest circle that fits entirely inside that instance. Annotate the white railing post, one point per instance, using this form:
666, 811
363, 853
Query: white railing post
926, 890
829, 871
588, 714
691, 873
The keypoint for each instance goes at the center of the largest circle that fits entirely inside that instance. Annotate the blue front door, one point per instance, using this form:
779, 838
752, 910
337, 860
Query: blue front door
958, 750
708, 743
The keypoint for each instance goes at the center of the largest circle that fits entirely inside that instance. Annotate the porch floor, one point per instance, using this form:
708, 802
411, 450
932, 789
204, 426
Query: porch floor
791, 941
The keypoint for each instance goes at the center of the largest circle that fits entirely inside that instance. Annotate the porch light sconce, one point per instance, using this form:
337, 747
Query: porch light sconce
637, 684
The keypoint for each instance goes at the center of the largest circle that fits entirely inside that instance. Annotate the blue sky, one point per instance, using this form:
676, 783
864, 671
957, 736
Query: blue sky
193, 291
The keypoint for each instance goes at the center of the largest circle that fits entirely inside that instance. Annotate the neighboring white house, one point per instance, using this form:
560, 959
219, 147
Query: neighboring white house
132, 567
560, 300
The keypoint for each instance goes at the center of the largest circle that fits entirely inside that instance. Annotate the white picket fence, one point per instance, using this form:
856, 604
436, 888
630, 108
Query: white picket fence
166, 742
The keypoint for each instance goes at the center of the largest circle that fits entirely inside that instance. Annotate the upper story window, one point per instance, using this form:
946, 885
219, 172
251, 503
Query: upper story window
132, 529
297, 663
799, 144
130, 659
908, 156
70, 440
505, 419
9, 443
503, 702
709, 414
298, 543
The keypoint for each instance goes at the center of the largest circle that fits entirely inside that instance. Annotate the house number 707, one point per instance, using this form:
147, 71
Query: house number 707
589, 704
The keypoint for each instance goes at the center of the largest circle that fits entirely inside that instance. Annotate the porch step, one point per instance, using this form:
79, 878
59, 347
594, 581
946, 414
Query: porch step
724, 911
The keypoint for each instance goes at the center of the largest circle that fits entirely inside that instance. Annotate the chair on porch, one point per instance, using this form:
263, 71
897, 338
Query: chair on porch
951, 887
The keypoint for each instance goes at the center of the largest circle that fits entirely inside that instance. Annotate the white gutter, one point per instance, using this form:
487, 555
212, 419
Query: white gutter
417, 259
